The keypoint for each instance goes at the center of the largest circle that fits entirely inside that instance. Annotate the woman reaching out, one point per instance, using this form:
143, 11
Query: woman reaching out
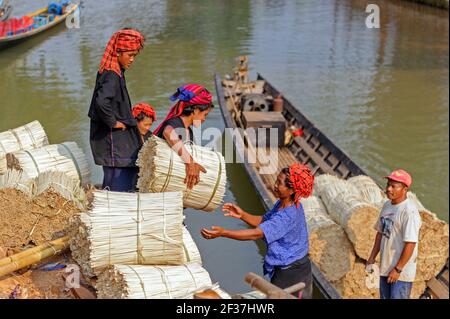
283, 228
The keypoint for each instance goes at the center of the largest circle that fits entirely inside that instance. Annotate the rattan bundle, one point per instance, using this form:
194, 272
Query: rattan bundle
152, 282
128, 228
369, 190
356, 217
66, 157
29, 136
191, 254
162, 170
329, 246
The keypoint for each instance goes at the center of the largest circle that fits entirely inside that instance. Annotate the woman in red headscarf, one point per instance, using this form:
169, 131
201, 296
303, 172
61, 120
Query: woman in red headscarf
283, 228
193, 104
112, 135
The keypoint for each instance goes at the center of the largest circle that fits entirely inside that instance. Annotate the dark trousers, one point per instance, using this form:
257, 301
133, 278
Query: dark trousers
120, 179
298, 271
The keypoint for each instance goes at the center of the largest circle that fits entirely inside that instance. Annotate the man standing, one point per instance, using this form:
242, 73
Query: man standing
397, 238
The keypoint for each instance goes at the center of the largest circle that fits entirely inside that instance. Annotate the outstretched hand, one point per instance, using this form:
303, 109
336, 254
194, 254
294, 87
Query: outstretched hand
215, 232
232, 210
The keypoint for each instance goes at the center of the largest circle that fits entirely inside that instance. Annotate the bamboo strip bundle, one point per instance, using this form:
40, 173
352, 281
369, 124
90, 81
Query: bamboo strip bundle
66, 157
13, 179
25, 259
191, 254
369, 190
356, 217
162, 170
413, 197
329, 246
332, 186
29, 136
128, 228
152, 282
357, 284
433, 246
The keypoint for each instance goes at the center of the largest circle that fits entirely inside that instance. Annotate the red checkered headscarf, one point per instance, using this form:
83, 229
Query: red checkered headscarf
301, 180
147, 109
121, 41
187, 95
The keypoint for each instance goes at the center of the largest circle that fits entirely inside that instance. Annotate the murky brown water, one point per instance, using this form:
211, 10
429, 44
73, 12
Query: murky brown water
380, 95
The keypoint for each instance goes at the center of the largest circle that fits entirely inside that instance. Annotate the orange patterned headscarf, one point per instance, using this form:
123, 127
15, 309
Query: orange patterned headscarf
121, 41
145, 108
302, 181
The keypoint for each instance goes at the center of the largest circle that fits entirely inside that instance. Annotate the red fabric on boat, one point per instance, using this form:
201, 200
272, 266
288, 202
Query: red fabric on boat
16, 25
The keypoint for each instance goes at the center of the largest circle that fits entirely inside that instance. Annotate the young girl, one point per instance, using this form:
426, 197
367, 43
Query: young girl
283, 229
112, 134
192, 108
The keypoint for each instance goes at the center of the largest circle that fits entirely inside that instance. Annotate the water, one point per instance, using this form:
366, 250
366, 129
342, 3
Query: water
380, 95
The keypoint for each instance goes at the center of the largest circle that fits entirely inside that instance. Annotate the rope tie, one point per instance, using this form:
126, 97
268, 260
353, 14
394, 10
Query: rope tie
165, 281
169, 174
141, 282
138, 237
192, 275
218, 180
30, 134
109, 224
34, 162
13, 132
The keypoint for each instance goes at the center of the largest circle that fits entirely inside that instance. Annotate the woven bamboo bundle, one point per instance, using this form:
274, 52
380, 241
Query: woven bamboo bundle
369, 190
66, 157
162, 170
128, 228
191, 254
333, 185
356, 217
329, 246
433, 246
152, 282
29, 136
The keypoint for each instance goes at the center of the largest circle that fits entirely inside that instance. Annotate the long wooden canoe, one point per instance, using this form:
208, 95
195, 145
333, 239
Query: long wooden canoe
313, 148
10, 40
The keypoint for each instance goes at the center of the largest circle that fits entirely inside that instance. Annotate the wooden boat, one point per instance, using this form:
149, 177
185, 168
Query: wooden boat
313, 148
57, 19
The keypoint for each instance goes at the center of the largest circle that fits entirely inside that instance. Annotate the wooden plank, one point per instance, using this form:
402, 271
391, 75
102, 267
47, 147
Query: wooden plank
438, 289
314, 156
444, 276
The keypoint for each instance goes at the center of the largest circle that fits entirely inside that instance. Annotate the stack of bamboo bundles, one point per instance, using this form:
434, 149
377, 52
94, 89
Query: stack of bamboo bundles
346, 207
154, 282
329, 246
66, 157
129, 228
369, 190
162, 170
29, 136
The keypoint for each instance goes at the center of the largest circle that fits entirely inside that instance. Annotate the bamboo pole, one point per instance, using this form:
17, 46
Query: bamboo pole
26, 258
272, 291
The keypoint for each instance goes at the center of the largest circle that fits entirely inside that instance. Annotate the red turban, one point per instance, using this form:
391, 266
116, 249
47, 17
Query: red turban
187, 95
121, 41
147, 109
302, 180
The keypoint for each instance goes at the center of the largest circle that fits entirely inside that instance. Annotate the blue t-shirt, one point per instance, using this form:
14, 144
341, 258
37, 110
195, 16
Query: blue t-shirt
286, 236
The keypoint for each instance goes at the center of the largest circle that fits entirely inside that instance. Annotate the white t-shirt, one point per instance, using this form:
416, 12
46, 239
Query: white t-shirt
399, 224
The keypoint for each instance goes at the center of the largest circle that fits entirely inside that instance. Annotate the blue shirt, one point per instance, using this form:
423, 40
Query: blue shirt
286, 236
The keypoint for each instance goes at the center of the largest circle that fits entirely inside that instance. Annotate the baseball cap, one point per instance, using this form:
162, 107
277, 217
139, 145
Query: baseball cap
401, 176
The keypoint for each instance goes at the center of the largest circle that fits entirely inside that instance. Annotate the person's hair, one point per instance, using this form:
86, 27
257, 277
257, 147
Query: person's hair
191, 108
141, 116
287, 180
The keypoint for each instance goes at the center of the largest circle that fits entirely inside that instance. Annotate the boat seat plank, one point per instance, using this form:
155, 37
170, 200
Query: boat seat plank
314, 156
438, 289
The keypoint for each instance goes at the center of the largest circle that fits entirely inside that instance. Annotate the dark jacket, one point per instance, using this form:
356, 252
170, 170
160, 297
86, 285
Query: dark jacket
111, 103
178, 125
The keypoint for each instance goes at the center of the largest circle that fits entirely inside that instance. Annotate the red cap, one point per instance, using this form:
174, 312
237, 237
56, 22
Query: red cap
401, 176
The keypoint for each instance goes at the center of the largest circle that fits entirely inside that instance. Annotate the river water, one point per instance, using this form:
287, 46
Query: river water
380, 94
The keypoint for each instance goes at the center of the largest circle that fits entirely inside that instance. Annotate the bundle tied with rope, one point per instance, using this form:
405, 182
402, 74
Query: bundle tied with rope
128, 228
66, 157
155, 282
162, 170
329, 246
26, 137
349, 210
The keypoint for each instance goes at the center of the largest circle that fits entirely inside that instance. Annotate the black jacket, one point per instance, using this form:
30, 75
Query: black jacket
111, 103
